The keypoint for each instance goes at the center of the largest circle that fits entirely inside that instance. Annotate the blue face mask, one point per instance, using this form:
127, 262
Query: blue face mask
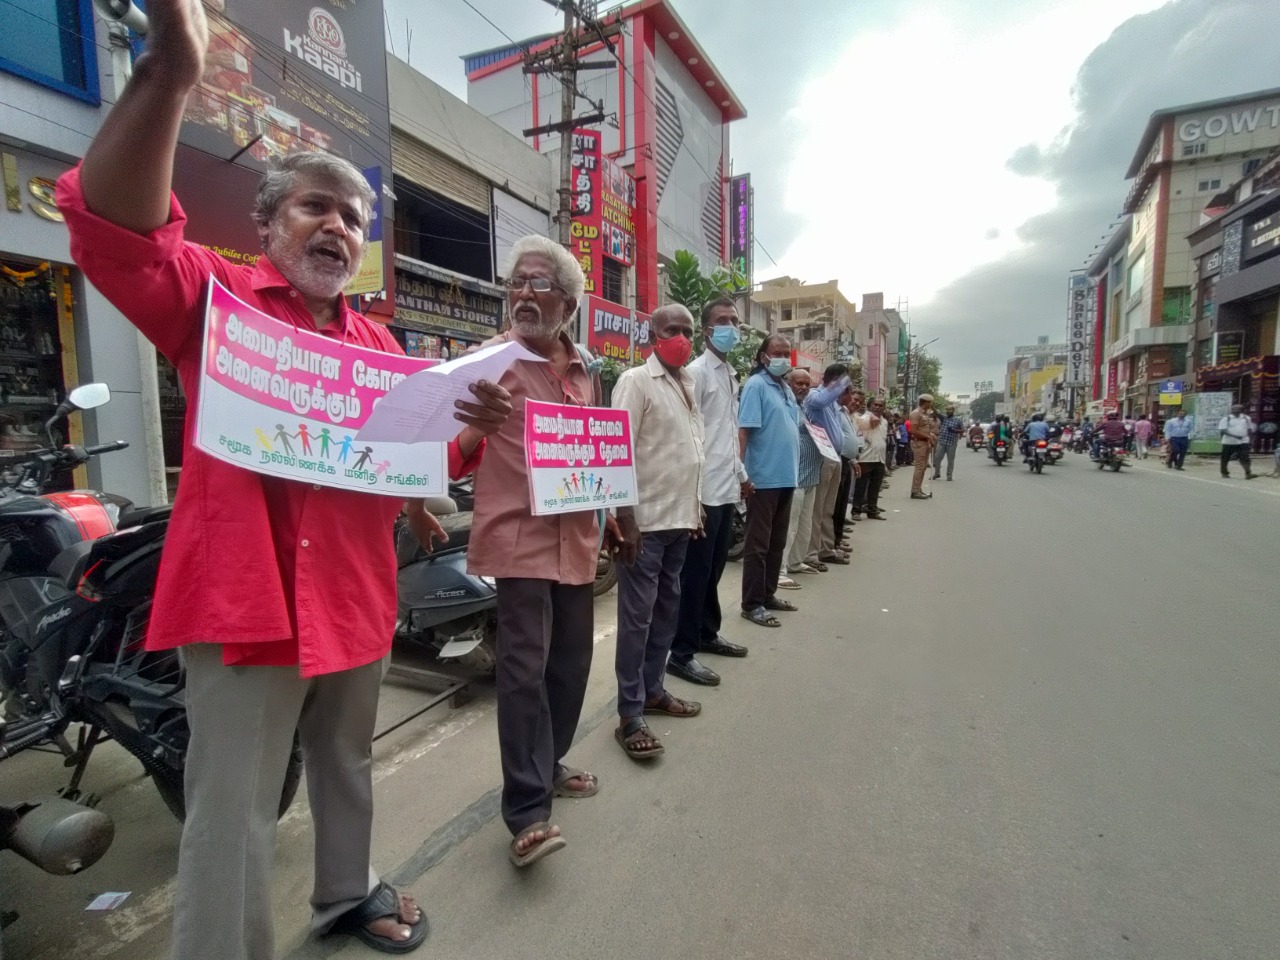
779, 366
725, 338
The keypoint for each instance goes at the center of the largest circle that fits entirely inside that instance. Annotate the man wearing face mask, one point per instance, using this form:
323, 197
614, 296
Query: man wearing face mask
770, 447
666, 434
724, 483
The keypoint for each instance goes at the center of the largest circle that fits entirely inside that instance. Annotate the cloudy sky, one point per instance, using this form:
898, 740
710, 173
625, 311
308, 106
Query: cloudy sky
961, 156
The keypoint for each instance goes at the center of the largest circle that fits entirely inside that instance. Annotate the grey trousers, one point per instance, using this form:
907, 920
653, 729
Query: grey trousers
648, 608
544, 658
242, 721
949, 452
822, 541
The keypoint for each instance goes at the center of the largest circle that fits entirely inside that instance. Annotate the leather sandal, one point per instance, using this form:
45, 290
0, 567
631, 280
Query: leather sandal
382, 902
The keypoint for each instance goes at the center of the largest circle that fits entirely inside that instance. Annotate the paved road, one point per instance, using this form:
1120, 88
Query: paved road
1086, 767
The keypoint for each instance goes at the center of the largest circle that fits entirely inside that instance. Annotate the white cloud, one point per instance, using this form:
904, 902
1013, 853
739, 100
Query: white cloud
899, 164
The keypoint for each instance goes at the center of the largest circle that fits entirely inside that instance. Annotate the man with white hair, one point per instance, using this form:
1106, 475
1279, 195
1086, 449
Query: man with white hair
281, 594
544, 565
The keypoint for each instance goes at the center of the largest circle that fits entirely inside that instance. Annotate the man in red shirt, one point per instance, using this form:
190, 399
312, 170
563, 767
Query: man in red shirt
282, 593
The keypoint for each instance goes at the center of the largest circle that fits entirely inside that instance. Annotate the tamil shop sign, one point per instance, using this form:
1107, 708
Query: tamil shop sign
446, 306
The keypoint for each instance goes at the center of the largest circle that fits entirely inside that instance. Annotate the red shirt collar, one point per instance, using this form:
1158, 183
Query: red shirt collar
266, 277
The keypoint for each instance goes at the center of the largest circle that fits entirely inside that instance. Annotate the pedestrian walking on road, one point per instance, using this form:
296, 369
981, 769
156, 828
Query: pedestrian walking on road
924, 436
666, 435
1142, 435
281, 594
799, 559
1177, 434
770, 448
1236, 430
950, 429
544, 566
872, 461
724, 484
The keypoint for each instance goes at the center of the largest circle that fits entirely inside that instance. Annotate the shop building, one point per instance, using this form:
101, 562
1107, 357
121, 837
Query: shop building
1237, 263
664, 145
1186, 156
466, 190
817, 317
1106, 275
57, 331
881, 335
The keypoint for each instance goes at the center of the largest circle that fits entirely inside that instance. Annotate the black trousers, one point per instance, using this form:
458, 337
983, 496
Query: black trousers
841, 515
699, 620
768, 513
866, 489
544, 657
1236, 451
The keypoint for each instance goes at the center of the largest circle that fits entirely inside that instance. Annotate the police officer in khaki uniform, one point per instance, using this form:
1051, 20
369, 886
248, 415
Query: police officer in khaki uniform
924, 436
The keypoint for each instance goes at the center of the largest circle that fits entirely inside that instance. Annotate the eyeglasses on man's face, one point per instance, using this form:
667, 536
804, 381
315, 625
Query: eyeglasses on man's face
538, 284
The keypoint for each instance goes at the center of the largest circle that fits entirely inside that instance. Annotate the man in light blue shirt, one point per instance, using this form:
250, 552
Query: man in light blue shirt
1037, 429
1177, 432
821, 406
768, 417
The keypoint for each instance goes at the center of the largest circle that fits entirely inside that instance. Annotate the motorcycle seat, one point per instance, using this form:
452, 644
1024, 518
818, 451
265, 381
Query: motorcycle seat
143, 515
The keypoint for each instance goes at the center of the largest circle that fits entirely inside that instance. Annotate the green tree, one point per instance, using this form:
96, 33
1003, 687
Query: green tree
928, 375
692, 288
983, 409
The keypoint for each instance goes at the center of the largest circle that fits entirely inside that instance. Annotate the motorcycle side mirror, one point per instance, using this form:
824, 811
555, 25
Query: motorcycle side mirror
89, 396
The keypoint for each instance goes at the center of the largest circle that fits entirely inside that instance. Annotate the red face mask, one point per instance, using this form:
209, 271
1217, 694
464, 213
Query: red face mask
674, 351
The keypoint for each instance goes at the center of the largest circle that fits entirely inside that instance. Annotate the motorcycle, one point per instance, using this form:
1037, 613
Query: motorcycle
1079, 442
440, 606
974, 442
1111, 455
1053, 453
999, 452
738, 531
1037, 455
77, 575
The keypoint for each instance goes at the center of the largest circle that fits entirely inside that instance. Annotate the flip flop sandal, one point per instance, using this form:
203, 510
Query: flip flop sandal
761, 617
786, 583
535, 853
633, 730
820, 567
565, 774
382, 902
688, 708
773, 603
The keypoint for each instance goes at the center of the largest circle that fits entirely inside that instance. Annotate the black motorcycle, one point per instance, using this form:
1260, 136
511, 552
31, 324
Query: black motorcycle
77, 577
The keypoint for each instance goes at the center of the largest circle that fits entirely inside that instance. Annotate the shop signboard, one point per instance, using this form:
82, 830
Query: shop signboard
1113, 379
617, 333
580, 458
1077, 330
617, 213
289, 403
742, 226
279, 78
1170, 393
1230, 347
1262, 237
586, 244
446, 306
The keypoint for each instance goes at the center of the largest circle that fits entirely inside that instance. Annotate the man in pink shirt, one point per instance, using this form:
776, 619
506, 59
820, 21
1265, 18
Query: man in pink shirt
1142, 435
282, 593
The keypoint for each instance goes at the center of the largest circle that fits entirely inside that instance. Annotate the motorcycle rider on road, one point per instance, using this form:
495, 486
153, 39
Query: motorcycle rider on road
1111, 432
1037, 429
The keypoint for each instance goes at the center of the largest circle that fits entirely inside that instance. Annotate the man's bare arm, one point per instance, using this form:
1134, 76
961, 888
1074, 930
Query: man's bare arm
127, 174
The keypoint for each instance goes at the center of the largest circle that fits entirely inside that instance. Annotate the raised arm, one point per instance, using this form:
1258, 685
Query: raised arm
128, 169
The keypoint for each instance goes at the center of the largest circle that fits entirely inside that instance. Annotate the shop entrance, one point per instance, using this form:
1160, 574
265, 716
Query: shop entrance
37, 360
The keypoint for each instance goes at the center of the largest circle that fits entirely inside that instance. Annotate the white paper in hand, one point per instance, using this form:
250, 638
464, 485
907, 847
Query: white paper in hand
421, 408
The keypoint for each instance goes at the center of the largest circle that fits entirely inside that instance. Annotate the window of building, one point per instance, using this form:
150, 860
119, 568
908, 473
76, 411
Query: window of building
1176, 308
786, 315
1204, 186
611, 276
436, 230
1250, 165
1194, 149
1137, 274
1204, 352
51, 42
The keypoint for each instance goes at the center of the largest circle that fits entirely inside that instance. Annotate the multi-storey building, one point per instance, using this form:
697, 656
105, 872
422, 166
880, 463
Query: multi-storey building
817, 317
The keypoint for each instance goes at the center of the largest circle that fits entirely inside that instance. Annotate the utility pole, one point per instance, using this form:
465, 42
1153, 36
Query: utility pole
561, 59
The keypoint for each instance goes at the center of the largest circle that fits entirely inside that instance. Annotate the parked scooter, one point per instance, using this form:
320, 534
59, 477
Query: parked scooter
77, 576
441, 607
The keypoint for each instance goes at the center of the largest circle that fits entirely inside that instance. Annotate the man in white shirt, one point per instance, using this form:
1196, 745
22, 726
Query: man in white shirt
666, 438
874, 427
724, 483
1236, 430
